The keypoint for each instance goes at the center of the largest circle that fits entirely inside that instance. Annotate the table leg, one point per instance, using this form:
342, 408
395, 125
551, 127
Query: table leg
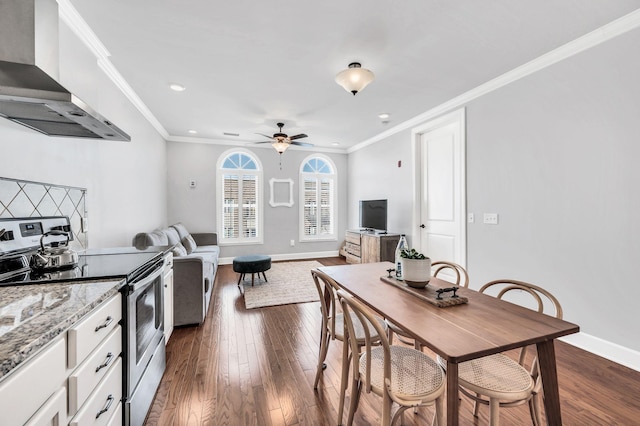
452, 394
548, 372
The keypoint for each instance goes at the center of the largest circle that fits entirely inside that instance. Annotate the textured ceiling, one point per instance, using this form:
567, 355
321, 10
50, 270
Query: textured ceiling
249, 64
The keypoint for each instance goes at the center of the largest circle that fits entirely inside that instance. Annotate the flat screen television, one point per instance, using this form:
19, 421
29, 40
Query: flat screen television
373, 214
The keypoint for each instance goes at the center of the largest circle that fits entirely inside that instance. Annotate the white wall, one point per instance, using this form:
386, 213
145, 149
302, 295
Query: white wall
196, 207
374, 174
125, 181
555, 154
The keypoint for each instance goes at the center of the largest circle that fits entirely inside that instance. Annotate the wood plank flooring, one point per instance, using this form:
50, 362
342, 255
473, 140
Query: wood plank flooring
256, 367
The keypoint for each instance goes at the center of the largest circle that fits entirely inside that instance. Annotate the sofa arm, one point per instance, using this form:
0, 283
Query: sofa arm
205, 238
189, 275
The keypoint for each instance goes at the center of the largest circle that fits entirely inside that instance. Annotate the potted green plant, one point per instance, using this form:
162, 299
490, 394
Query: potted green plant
416, 268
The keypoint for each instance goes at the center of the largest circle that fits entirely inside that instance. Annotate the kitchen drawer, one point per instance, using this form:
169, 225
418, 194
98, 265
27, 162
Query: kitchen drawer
53, 412
104, 401
86, 377
352, 237
116, 418
28, 388
84, 337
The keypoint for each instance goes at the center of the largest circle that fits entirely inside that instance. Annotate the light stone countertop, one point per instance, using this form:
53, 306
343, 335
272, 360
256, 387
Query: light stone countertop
33, 315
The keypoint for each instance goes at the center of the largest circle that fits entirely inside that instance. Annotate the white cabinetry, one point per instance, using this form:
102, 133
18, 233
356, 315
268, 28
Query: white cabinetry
93, 355
168, 296
73, 379
30, 389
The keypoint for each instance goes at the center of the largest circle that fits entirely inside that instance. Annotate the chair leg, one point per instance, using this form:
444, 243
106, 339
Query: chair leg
438, 417
344, 379
536, 413
355, 400
264, 276
476, 406
322, 355
240, 276
390, 335
494, 412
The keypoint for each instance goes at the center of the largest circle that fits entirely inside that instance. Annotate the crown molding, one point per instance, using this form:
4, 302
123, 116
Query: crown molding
613, 29
70, 16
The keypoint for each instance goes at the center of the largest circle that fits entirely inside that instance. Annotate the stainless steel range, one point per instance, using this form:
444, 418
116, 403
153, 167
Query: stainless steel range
36, 251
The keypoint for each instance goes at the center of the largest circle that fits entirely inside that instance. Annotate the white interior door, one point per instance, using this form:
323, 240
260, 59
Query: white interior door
440, 201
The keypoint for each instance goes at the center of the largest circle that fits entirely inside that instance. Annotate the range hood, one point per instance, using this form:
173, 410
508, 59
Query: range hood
29, 72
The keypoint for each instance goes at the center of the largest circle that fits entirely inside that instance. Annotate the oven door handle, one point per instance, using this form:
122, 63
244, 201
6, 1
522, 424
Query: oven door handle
148, 279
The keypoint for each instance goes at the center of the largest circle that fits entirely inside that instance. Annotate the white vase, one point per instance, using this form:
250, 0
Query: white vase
416, 272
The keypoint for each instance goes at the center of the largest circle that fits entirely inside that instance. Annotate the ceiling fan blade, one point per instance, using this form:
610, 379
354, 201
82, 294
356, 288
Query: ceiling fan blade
266, 136
264, 142
301, 143
300, 136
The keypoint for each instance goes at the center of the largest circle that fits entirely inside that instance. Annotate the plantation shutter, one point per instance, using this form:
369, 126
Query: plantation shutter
239, 217
310, 206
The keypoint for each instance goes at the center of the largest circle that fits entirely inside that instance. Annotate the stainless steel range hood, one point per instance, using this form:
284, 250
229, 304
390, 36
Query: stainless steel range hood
29, 90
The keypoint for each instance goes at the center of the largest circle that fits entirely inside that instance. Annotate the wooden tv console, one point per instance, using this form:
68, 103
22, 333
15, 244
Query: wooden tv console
369, 246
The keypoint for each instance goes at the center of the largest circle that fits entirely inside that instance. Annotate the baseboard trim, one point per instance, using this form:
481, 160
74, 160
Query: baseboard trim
611, 351
288, 256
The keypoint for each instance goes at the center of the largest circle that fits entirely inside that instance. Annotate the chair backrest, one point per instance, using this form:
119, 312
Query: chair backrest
326, 287
353, 310
542, 299
450, 269
523, 293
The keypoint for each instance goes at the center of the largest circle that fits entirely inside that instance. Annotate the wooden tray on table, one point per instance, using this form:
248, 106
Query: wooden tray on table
429, 293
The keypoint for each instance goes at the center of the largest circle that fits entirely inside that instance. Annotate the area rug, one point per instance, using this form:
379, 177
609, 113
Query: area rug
289, 282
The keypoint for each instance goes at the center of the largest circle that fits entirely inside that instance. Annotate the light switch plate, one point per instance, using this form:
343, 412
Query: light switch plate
491, 218
192, 183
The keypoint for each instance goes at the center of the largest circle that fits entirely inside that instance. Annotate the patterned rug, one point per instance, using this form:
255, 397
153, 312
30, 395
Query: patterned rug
289, 282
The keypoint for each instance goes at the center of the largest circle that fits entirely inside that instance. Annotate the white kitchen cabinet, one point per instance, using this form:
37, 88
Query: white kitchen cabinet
168, 297
53, 412
104, 400
85, 336
78, 373
24, 393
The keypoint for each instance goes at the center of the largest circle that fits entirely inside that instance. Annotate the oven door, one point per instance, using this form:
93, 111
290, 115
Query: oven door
145, 317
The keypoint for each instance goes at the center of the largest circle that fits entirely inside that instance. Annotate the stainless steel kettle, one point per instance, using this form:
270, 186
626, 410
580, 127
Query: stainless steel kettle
56, 256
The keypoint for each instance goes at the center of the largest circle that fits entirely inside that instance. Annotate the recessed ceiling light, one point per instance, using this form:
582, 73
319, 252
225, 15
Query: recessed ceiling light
384, 115
335, 144
177, 87
193, 132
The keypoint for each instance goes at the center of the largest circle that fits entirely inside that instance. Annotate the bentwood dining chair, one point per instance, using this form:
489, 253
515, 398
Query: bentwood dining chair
449, 271
398, 374
498, 380
333, 329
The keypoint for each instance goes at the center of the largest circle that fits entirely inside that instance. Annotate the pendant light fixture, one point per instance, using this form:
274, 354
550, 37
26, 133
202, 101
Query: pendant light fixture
355, 78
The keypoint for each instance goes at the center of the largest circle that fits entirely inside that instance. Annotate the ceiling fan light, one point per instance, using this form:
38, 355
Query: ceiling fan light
355, 78
280, 146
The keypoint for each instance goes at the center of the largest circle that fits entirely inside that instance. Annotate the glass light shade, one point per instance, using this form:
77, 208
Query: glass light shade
280, 146
355, 78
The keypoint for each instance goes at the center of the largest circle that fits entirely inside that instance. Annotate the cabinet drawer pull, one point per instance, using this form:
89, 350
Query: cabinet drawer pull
106, 363
110, 399
106, 323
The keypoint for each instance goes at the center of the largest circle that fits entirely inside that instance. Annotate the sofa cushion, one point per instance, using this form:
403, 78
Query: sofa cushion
147, 239
172, 235
179, 250
189, 244
181, 230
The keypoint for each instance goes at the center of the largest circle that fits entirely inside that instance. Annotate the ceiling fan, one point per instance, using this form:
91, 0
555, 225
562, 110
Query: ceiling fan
281, 141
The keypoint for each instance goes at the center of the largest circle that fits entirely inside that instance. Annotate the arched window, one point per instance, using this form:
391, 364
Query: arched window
318, 199
239, 183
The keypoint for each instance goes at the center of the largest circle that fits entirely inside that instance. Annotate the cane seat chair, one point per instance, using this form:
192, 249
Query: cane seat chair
333, 329
498, 380
398, 374
450, 271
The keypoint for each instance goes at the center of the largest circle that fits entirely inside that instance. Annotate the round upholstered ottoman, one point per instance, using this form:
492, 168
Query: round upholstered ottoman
251, 264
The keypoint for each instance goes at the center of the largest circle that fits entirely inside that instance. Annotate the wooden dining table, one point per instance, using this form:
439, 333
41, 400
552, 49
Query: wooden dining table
485, 325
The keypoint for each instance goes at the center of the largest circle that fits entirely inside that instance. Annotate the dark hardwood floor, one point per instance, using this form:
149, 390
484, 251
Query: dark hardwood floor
256, 367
